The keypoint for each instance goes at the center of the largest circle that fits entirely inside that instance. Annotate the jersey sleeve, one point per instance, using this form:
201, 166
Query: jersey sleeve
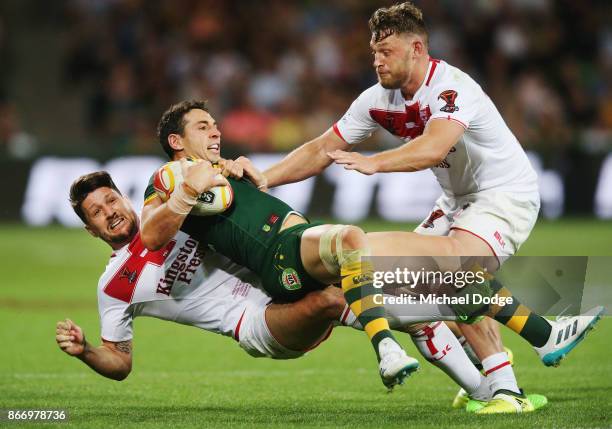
455, 100
357, 125
150, 193
116, 319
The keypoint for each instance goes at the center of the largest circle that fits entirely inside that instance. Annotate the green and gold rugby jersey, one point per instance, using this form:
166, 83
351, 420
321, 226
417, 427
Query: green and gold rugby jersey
245, 231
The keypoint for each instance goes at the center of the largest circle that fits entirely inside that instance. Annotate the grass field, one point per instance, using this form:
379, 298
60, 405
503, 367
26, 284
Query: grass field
183, 377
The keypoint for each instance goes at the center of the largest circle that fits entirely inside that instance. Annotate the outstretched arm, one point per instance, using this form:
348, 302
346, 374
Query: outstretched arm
111, 359
425, 151
306, 161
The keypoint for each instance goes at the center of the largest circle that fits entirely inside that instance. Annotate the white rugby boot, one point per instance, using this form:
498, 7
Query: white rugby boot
567, 332
395, 365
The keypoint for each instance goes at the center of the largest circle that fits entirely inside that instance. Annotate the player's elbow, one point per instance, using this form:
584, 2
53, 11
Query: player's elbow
435, 157
121, 373
120, 376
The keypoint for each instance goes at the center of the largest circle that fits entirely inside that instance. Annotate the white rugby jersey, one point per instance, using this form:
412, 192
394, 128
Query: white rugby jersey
487, 156
176, 283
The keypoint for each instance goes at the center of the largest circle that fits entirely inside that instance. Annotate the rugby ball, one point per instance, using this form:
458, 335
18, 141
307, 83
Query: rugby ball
169, 177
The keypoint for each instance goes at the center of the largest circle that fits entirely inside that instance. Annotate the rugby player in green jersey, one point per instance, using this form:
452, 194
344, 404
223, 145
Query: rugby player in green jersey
291, 256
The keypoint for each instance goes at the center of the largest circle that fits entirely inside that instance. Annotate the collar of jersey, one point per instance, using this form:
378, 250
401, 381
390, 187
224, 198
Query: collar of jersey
418, 91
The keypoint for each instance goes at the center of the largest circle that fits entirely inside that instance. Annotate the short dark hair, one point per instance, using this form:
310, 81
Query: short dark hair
85, 185
399, 18
172, 121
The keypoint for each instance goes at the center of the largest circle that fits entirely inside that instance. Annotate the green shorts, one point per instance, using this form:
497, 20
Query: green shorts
284, 277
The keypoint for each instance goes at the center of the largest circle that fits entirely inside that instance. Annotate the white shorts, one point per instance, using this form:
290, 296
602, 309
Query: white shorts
253, 335
501, 219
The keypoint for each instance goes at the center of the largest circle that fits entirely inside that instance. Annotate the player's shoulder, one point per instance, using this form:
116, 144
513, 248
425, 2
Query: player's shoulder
448, 79
444, 74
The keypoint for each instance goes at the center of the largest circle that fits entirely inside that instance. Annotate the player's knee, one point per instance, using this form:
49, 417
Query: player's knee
354, 237
325, 305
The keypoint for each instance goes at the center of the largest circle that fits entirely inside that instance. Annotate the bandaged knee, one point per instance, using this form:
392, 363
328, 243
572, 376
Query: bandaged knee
335, 260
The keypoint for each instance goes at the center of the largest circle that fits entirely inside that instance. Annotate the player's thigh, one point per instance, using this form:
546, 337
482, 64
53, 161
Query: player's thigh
310, 253
303, 324
396, 243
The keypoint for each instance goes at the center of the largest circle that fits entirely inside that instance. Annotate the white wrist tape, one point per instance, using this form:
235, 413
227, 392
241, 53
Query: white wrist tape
180, 202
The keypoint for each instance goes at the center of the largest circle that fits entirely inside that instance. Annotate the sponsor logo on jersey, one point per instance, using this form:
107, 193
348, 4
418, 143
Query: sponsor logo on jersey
449, 96
499, 239
182, 268
290, 279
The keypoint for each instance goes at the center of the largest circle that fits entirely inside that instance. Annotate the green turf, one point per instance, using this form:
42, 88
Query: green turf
183, 377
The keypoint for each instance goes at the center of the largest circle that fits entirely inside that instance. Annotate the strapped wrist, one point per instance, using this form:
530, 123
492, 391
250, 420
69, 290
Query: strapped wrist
183, 199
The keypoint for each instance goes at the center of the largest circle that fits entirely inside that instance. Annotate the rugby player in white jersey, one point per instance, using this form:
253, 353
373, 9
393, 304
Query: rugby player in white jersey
444, 121
181, 284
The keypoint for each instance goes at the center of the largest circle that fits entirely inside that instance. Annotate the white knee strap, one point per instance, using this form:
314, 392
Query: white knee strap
329, 258
333, 261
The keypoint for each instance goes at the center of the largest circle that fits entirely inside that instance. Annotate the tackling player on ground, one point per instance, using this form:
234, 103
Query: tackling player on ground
445, 122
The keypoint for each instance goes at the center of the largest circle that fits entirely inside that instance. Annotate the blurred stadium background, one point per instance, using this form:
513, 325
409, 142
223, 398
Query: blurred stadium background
83, 83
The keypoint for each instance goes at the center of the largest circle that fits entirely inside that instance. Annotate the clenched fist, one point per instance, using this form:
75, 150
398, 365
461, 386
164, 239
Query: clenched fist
70, 337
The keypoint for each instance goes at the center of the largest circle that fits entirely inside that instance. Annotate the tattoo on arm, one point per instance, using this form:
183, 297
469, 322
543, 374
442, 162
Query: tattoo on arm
124, 346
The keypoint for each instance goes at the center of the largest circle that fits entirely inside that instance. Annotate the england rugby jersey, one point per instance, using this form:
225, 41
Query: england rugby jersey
487, 156
177, 283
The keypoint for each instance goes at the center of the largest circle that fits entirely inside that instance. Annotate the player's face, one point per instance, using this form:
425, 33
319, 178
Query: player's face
110, 216
201, 138
393, 60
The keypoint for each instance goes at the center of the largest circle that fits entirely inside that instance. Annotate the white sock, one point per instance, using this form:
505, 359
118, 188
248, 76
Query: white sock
348, 318
438, 345
499, 372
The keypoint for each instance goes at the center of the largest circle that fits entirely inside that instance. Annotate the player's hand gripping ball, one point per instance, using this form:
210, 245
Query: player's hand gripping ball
170, 176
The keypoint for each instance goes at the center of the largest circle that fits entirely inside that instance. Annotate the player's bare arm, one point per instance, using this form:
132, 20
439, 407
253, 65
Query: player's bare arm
425, 151
111, 359
306, 161
161, 221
